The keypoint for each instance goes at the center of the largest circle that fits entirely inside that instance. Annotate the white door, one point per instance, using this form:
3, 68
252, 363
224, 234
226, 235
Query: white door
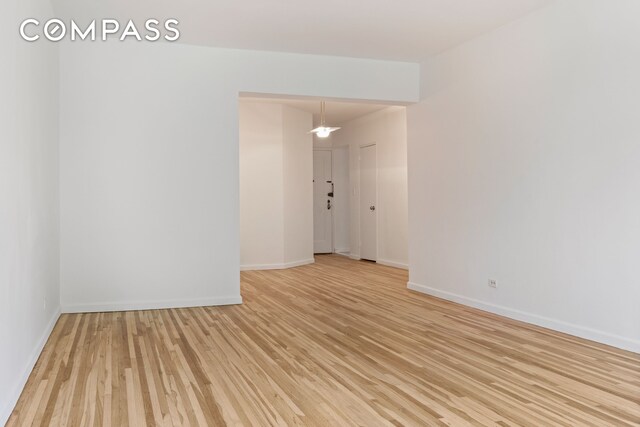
368, 208
322, 212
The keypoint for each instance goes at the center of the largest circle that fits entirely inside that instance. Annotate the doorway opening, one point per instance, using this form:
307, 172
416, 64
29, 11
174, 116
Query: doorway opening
302, 196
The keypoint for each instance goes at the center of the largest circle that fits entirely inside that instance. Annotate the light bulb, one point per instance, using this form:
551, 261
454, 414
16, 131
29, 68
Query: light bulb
323, 132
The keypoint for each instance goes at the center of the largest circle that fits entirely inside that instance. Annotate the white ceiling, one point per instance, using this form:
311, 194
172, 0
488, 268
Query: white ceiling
406, 30
336, 113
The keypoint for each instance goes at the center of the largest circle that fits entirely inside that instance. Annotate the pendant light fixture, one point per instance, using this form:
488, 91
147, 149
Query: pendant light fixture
323, 130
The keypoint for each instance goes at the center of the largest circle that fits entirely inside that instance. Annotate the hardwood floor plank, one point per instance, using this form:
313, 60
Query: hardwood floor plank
338, 342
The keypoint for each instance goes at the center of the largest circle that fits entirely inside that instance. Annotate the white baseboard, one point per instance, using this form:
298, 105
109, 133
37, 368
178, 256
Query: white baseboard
355, 256
149, 305
342, 251
282, 266
534, 319
393, 264
7, 408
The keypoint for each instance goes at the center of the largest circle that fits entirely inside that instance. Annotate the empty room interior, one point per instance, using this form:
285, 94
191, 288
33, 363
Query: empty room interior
249, 213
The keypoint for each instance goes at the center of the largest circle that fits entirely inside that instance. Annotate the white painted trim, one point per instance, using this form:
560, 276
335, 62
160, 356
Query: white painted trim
149, 305
343, 251
355, 256
534, 319
393, 264
282, 266
12, 399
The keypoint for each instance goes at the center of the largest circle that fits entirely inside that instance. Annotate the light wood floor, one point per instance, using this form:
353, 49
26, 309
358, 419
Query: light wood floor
337, 343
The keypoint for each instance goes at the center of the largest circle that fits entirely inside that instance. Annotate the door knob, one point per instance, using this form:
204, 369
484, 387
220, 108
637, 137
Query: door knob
373, 208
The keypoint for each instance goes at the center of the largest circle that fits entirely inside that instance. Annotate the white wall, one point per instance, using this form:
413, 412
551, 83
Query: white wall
388, 130
261, 184
298, 186
523, 161
149, 163
276, 186
28, 198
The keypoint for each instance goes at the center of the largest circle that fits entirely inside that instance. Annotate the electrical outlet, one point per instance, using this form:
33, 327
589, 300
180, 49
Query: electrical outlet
493, 283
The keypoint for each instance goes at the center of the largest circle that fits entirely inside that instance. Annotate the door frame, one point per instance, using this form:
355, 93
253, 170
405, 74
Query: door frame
360, 147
